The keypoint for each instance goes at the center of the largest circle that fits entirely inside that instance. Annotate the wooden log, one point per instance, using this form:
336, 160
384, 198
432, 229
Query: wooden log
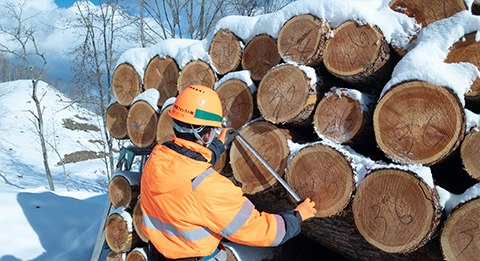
164, 126
302, 39
114, 256
419, 122
137, 254
359, 55
396, 210
142, 122
119, 233
137, 221
467, 49
126, 84
324, 175
271, 144
116, 120
237, 102
225, 50
476, 7
124, 188
469, 151
286, 95
161, 74
344, 116
260, 55
196, 72
459, 237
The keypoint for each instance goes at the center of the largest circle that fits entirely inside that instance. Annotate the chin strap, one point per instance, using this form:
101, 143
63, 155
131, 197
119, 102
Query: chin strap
193, 131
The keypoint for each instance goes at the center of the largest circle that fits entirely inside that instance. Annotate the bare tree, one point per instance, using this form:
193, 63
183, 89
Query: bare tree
24, 47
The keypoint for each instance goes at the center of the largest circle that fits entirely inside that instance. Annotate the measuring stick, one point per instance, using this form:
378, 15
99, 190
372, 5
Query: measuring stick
275, 174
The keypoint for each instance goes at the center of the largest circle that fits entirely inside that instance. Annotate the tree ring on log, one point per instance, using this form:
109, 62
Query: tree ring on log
260, 55
162, 74
196, 72
226, 51
285, 96
324, 175
469, 151
302, 39
126, 84
458, 233
137, 221
271, 144
237, 102
116, 121
142, 122
117, 234
395, 210
121, 192
164, 127
419, 122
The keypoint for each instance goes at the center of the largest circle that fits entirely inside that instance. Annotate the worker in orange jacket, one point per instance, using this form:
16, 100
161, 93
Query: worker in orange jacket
187, 206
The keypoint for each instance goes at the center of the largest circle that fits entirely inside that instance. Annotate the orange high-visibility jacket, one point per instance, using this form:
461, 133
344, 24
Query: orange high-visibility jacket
188, 207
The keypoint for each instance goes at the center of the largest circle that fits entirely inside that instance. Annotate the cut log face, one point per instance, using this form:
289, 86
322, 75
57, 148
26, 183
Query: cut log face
426, 12
162, 74
137, 221
142, 122
113, 256
469, 151
225, 51
467, 49
136, 255
237, 102
117, 234
357, 54
286, 96
302, 39
126, 84
260, 55
324, 175
271, 144
164, 126
121, 192
395, 210
459, 238
419, 122
116, 121
196, 72
338, 117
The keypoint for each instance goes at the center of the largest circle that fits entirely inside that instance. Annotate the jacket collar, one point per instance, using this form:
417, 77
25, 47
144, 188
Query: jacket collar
193, 146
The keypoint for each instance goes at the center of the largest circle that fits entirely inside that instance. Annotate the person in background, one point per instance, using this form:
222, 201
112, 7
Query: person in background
187, 206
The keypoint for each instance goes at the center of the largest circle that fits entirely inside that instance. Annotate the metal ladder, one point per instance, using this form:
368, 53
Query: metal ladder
125, 162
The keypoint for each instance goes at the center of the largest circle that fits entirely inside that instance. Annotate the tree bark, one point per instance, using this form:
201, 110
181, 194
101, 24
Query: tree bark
237, 102
302, 39
225, 51
260, 55
162, 75
116, 120
419, 122
126, 84
196, 72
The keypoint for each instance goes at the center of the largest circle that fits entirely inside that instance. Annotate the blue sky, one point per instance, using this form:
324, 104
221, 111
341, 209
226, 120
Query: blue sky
67, 3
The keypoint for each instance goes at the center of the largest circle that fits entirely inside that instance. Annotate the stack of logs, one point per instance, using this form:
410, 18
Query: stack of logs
391, 213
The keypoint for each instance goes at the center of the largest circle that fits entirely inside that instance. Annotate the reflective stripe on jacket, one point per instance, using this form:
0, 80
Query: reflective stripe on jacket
188, 207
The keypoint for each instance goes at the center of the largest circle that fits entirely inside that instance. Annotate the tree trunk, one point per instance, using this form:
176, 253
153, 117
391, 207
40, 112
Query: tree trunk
359, 55
469, 151
419, 122
142, 122
164, 126
286, 95
302, 39
196, 72
324, 175
124, 188
225, 51
162, 75
237, 102
119, 233
467, 49
342, 117
126, 84
137, 221
271, 144
395, 210
260, 55
116, 120
459, 232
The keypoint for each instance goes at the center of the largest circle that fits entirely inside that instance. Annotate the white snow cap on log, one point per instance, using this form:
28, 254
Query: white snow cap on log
169, 101
473, 120
449, 200
151, 96
126, 216
364, 99
137, 57
133, 177
243, 75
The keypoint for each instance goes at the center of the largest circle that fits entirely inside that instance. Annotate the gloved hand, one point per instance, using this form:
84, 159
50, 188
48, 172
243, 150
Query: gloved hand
306, 209
227, 136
